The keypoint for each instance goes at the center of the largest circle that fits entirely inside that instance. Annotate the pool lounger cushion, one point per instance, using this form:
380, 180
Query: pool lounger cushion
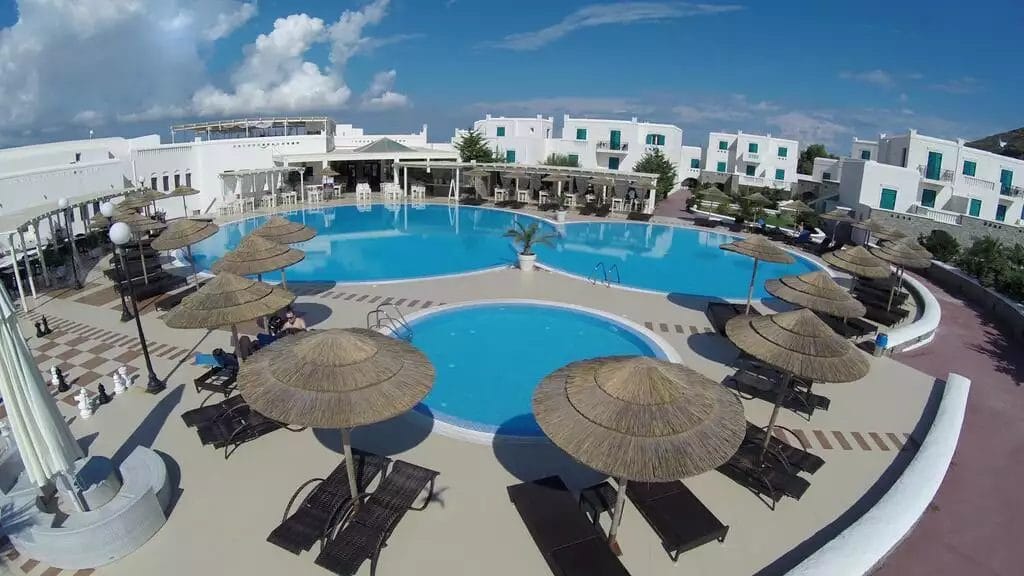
679, 518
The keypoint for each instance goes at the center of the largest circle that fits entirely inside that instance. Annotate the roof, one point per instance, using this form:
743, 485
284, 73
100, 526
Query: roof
640, 177
237, 123
10, 223
384, 145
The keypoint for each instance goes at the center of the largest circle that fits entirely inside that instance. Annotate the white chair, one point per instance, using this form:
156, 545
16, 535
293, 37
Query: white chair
570, 200
289, 197
523, 196
500, 194
268, 201
617, 204
314, 195
542, 197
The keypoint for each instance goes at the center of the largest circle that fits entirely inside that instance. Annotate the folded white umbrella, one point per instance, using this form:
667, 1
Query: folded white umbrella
44, 440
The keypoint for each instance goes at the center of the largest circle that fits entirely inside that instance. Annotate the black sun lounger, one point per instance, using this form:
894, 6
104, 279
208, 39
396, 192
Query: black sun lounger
568, 541
235, 427
791, 456
322, 508
721, 312
775, 483
368, 529
206, 414
679, 519
218, 380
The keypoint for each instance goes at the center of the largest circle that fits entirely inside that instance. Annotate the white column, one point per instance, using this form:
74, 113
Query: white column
17, 273
39, 248
405, 180
302, 185
28, 265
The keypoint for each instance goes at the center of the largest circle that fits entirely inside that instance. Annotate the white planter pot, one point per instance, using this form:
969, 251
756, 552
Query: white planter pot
560, 215
526, 262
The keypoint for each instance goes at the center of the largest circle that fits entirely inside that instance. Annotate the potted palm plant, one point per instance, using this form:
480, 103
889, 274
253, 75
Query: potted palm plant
528, 236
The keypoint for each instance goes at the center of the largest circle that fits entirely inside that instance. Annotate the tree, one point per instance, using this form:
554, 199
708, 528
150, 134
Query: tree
654, 162
473, 147
556, 159
941, 244
805, 165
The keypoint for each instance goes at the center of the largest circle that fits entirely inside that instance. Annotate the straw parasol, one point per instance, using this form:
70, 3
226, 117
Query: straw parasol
757, 198
638, 418
183, 233
477, 172
141, 198
796, 206
256, 255
859, 262
799, 344
338, 378
138, 224
283, 231
182, 192
329, 172
878, 230
816, 291
100, 221
758, 248
838, 215
904, 253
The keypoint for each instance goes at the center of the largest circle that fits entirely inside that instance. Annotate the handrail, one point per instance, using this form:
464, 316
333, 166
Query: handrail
605, 274
618, 278
397, 324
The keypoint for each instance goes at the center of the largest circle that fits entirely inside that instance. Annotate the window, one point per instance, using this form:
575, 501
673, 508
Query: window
78, 156
152, 183
865, 154
167, 183
1005, 180
904, 162
547, 132
581, 133
934, 169
723, 145
780, 174
177, 180
655, 139
574, 159
188, 179
928, 198
751, 169
613, 163
721, 167
888, 199
975, 208
695, 163
500, 131
510, 156
826, 176
970, 168
615, 140
783, 152
531, 130
752, 147
1001, 212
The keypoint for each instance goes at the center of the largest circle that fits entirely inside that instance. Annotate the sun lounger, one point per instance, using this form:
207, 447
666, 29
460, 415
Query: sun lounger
849, 327
679, 519
367, 530
790, 456
321, 509
235, 427
762, 385
570, 544
773, 482
880, 314
721, 312
218, 380
206, 414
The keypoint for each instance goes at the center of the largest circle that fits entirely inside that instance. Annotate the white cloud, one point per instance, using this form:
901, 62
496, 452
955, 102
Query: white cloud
809, 128
567, 104
228, 22
964, 85
156, 112
607, 14
904, 98
88, 118
876, 77
381, 96
731, 109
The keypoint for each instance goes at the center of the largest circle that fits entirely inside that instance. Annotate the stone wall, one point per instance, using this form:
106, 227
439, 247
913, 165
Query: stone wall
965, 233
1009, 314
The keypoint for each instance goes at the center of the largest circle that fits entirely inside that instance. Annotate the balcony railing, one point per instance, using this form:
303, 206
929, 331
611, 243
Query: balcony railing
979, 183
752, 157
937, 215
944, 175
610, 147
1014, 191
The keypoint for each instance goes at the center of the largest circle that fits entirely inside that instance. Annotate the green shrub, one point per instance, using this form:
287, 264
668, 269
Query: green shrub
941, 244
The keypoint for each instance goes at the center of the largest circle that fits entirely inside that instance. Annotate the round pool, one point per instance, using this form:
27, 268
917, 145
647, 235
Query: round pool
381, 243
490, 356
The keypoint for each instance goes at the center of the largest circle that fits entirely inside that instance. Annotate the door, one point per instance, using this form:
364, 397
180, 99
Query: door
1001, 212
928, 198
613, 163
934, 165
1005, 180
975, 208
615, 140
888, 199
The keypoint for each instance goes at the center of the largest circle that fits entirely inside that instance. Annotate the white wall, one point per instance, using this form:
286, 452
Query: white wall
766, 160
688, 157
861, 146
831, 165
863, 181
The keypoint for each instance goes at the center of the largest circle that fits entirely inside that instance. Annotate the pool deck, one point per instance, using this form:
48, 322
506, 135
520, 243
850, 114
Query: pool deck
226, 508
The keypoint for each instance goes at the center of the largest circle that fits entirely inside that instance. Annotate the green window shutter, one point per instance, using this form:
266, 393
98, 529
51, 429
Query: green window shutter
501, 131
581, 133
574, 159
1005, 180
661, 139
694, 163
752, 147
723, 145
865, 154
751, 169
888, 199
826, 176
721, 166
780, 174
928, 198
613, 163
970, 168
975, 208
510, 156
649, 140
783, 152
934, 169
1001, 212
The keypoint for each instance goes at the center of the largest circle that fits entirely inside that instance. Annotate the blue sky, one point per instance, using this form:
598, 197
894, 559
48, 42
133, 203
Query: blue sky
819, 71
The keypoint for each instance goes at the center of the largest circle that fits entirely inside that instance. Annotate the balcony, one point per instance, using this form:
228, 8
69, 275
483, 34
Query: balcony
1011, 191
978, 183
751, 156
944, 216
944, 175
610, 148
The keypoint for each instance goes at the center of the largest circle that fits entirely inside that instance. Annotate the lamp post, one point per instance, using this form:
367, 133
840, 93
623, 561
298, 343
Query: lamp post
120, 235
63, 205
107, 209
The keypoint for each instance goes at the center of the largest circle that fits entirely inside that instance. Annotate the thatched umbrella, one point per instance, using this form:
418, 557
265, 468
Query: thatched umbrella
838, 215
139, 224
228, 300
637, 418
182, 192
183, 233
283, 231
878, 230
758, 248
904, 253
256, 255
758, 199
141, 198
799, 344
859, 262
796, 206
816, 291
100, 221
337, 378
329, 172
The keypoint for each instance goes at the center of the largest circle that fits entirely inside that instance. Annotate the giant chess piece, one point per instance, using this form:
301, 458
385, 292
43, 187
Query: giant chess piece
126, 380
46, 326
119, 384
62, 384
101, 396
54, 380
39, 329
84, 404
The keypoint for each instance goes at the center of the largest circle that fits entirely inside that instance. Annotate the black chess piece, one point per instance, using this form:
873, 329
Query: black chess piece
46, 326
62, 384
39, 330
102, 397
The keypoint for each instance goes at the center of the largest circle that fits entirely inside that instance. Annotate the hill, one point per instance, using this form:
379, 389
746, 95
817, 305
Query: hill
1013, 140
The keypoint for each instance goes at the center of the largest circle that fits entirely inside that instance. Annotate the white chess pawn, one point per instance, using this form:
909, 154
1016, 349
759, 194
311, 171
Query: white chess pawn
119, 383
84, 404
123, 372
53, 377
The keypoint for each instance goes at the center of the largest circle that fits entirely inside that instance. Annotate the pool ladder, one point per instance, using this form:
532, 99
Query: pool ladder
389, 317
606, 275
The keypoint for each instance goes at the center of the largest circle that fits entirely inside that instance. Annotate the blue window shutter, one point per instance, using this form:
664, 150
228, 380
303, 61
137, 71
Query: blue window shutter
780, 174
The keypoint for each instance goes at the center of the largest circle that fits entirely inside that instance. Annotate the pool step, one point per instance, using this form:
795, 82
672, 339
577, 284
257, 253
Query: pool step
665, 328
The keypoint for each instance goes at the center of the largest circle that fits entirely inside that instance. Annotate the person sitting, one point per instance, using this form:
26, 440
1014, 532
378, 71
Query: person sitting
803, 235
292, 323
225, 360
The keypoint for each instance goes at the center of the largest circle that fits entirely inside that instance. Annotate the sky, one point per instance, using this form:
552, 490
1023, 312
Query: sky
818, 71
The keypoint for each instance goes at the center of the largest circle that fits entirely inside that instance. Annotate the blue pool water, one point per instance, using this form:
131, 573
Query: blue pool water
381, 244
490, 357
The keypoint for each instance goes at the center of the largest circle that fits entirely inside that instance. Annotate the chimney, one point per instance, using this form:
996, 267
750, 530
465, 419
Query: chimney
488, 117
634, 119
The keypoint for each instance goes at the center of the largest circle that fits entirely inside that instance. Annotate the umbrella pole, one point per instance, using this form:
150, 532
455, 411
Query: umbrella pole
284, 282
620, 501
195, 274
184, 207
142, 260
234, 337
895, 288
350, 465
71, 490
783, 387
750, 292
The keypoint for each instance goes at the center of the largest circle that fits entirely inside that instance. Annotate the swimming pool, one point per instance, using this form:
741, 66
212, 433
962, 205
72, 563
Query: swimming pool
377, 244
490, 356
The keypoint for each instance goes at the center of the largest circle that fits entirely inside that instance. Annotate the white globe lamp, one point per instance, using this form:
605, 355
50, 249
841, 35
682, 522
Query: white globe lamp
107, 209
62, 203
120, 234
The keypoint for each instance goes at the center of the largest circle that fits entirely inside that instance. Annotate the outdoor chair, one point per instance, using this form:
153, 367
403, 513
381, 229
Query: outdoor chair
848, 327
235, 427
719, 313
680, 520
318, 513
746, 469
218, 379
206, 414
757, 380
570, 544
789, 456
878, 313
366, 531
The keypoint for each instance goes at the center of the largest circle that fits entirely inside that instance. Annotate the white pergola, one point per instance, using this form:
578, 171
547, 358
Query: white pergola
254, 177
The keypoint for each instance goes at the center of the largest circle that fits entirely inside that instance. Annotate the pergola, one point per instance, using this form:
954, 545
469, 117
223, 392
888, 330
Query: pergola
641, 180
254, 174
16, 223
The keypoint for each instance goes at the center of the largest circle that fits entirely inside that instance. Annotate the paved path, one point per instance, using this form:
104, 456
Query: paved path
974, 524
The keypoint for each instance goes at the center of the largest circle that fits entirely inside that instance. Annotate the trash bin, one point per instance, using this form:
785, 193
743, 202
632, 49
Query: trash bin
881, 343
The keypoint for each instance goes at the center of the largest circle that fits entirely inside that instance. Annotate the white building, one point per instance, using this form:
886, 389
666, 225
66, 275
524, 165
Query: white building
944, 180
592, 142
754, 159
